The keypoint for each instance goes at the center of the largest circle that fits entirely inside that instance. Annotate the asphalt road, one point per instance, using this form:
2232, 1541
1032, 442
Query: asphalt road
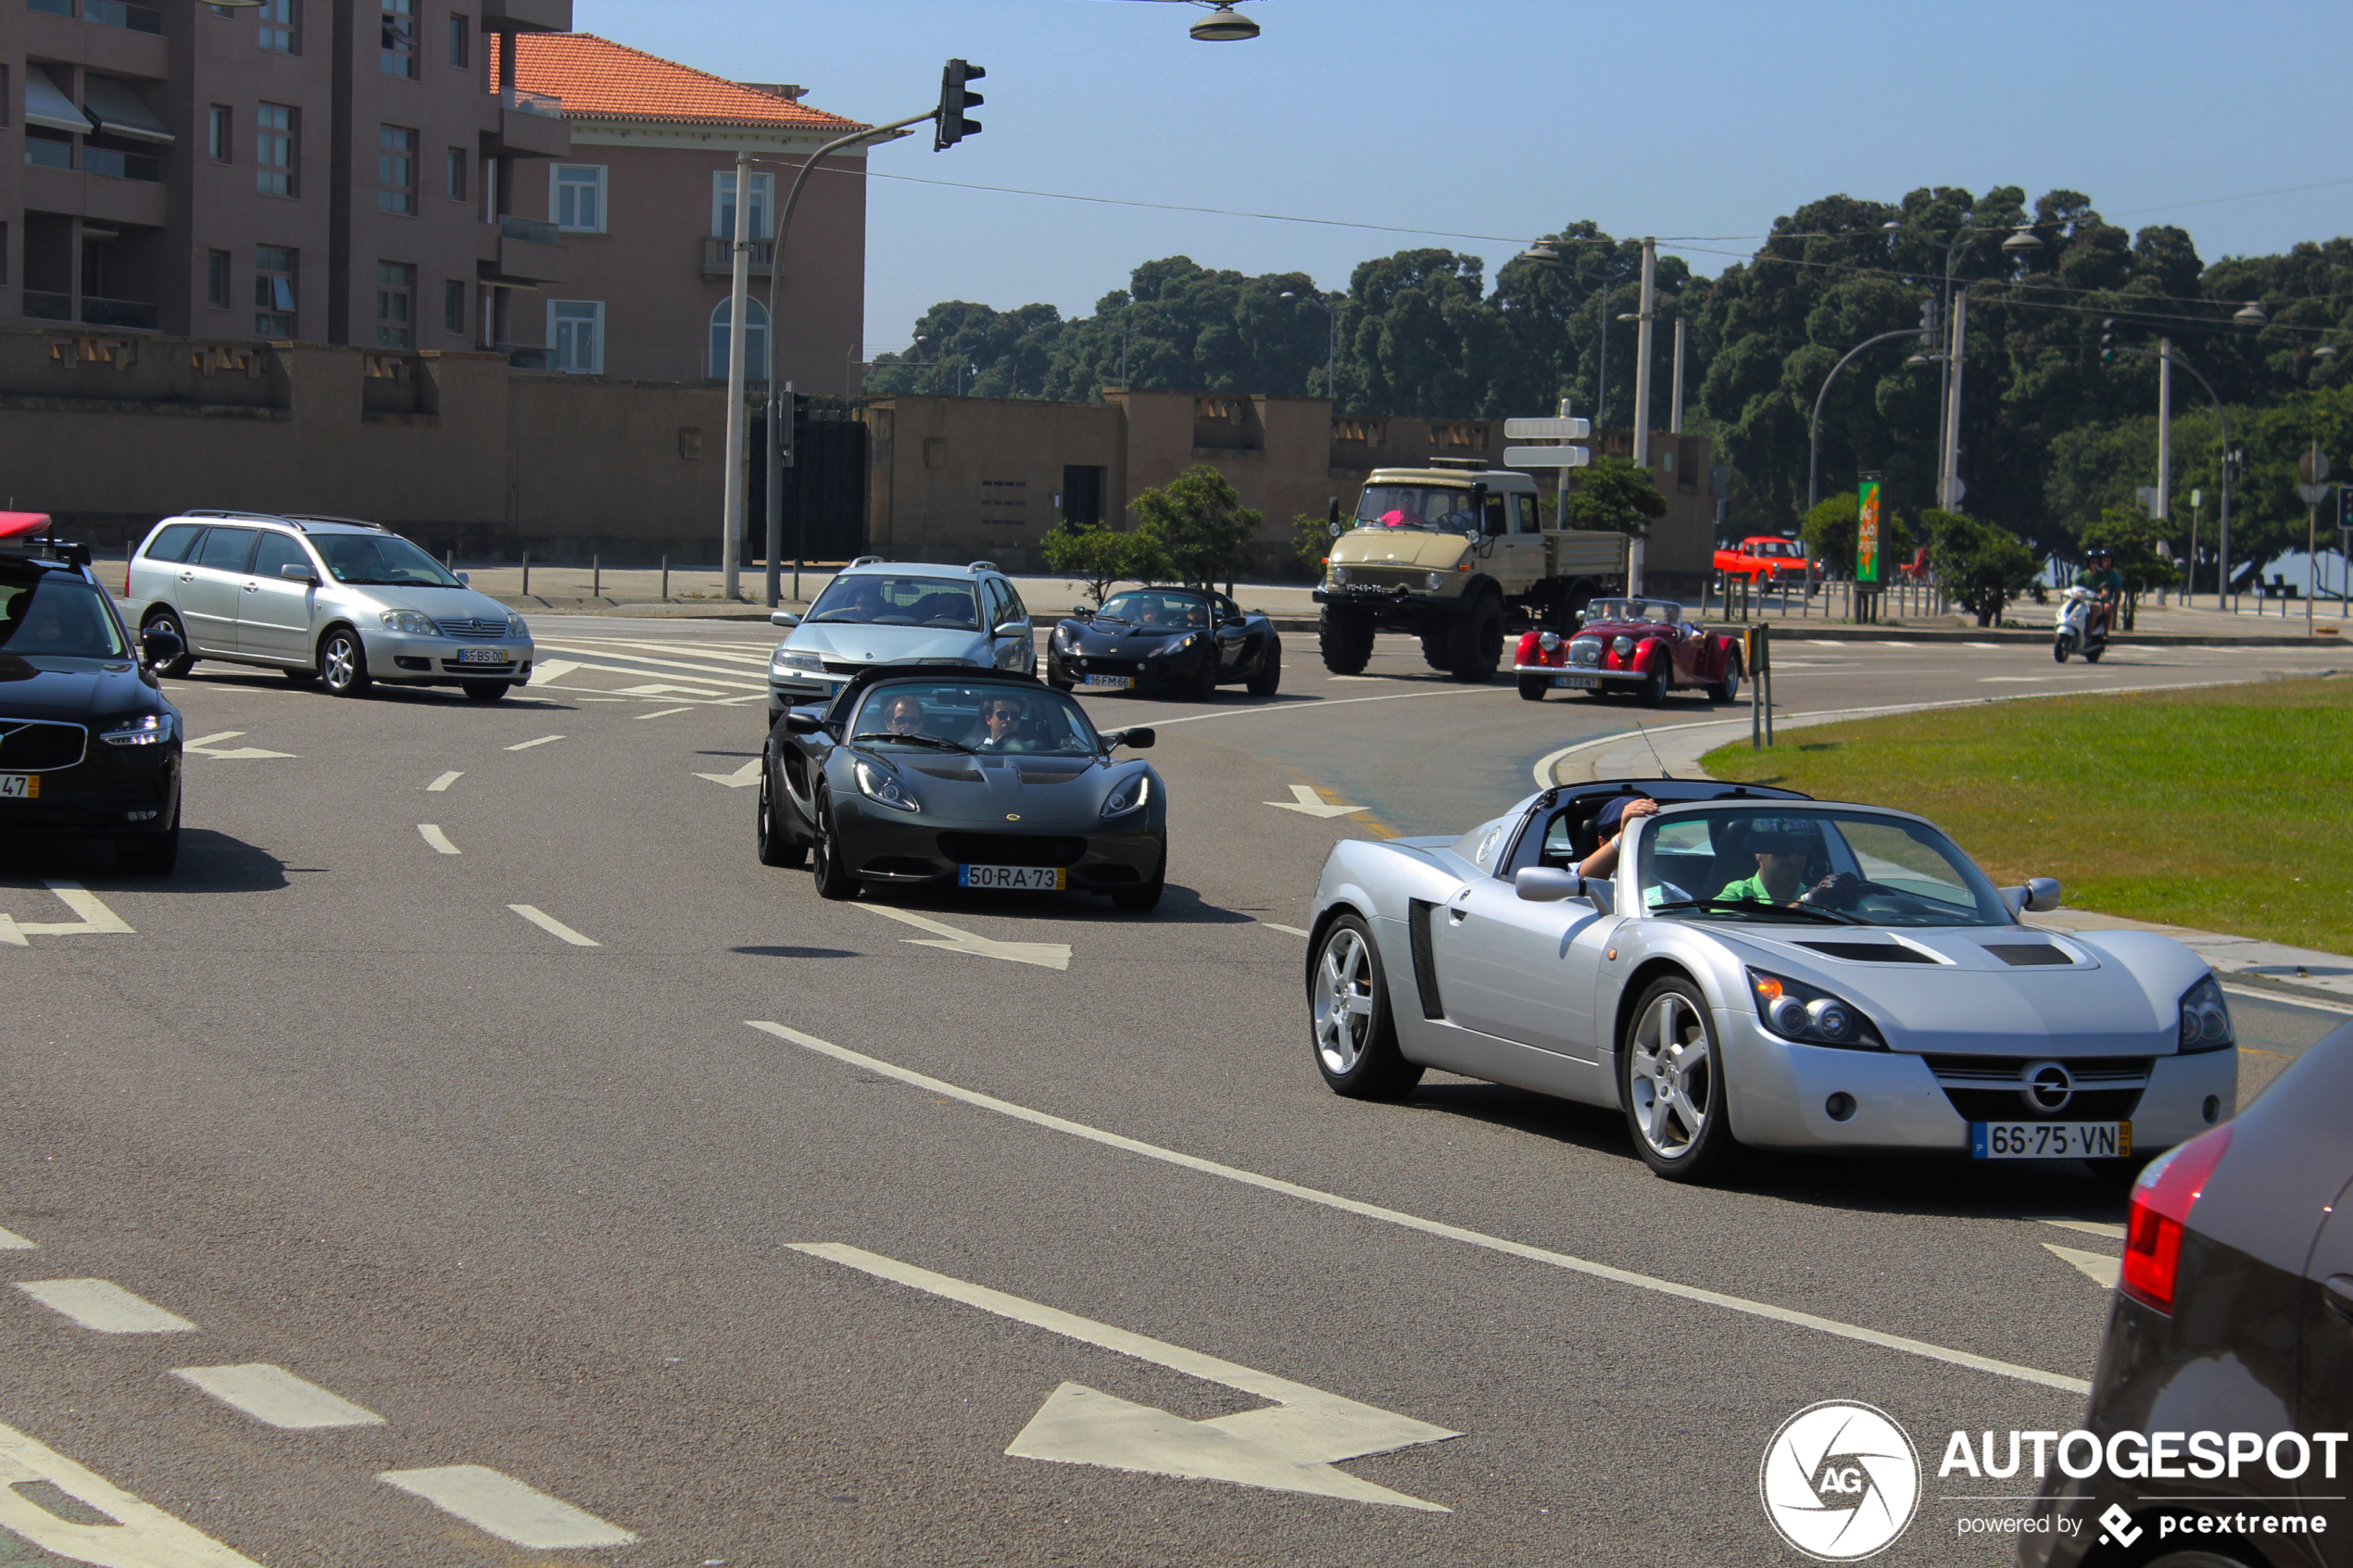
339, 1108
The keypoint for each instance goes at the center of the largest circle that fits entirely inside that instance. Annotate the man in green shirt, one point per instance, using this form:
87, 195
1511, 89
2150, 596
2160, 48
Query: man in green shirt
1782, 847
2101, 577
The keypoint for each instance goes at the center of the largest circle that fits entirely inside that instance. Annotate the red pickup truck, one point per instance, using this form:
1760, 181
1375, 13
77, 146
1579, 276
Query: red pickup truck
1766, 559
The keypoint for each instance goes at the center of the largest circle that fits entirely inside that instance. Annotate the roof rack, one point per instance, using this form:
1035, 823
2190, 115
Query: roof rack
249, 517
865, 560
982, 566
1470, 465
325, 517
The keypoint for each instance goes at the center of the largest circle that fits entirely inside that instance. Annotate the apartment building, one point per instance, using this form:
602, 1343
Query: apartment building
646, 205
337, 172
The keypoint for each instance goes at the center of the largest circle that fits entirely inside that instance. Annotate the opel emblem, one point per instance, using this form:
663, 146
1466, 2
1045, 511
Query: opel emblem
1012, 816
2047, 1087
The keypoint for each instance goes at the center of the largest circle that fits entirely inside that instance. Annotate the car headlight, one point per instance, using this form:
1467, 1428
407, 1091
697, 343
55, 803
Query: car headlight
1798, 1012
1621, 646
515, 627
2206, 1017
1434, 580
411, 623
806, 663
150, 728
1133, 796
881, 787
1549, 641
1189, 640
1342, 574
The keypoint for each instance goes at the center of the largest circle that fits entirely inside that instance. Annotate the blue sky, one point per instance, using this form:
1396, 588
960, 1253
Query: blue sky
1508, 118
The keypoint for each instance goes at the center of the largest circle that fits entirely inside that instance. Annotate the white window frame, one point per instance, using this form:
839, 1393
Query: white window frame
763, 202
596, 366
556, 183
755, 339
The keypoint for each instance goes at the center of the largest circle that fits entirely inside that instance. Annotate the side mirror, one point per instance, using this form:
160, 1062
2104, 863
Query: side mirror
2042, 893
783, 618
1138, 739
1547, 884
801, 722
1331, 512
466, 577
294, 572
1012, 629
160, 645
1082, 612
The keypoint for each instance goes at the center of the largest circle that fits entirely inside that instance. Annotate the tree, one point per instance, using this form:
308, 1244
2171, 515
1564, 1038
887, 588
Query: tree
1615, 495
1983, 566
1830, 533
1198, 523
1100, 557
1311, 539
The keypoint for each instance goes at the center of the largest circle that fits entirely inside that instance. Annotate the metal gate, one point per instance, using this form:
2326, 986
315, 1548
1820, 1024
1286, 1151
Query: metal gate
824, 491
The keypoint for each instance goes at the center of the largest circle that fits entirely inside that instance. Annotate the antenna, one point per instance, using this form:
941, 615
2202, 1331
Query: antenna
1654, 755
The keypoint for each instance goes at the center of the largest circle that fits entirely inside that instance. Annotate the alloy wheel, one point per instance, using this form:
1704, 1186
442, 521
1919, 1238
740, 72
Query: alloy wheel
1343, 1000
1672, 1077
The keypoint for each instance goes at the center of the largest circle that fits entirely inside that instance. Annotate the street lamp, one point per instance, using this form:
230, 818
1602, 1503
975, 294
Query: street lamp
2251, 315
1332, 356
1225, 25
2023, 241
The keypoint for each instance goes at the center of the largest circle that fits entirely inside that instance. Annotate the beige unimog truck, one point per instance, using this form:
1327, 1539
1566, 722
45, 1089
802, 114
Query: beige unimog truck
1449, 554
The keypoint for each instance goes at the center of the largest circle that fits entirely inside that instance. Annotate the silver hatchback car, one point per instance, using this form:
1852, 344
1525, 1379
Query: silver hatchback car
343, 602
877, 612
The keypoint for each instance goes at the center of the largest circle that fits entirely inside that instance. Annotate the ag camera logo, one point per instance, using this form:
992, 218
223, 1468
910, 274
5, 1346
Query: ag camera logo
1839, 1481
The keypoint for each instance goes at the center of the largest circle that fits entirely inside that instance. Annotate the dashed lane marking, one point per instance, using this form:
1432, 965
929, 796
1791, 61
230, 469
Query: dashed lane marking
11, 1242
742, 778
104, 1306
1300, 708
543, 740
504, 1507
2089, 1228
1045, 955
137, 1535
1287, 929
433, 835
277, 1398
2098, 1267
204, 746
443, 783
1610, 1272
553, 926
96, 919
549, 672
665, 712
1308, 801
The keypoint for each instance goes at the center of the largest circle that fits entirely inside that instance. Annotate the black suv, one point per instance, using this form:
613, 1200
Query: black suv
88, 744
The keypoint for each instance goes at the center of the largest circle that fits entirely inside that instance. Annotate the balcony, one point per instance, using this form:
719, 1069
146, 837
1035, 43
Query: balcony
45, 153
117, 165
43, 306
528, 254
121, 40
538, 230
526, 16
545, 105
719, 257
531, 125
114, 13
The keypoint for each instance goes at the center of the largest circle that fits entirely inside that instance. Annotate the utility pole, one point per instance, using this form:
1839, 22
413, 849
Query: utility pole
1675, 415
1948, 484
2164, 432
1643, 324
739, 306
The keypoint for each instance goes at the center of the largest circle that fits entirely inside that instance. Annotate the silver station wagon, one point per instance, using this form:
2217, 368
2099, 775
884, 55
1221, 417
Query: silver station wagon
331, 599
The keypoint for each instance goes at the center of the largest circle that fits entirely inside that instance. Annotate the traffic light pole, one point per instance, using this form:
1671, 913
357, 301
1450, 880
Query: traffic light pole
2168, 357
1814, 463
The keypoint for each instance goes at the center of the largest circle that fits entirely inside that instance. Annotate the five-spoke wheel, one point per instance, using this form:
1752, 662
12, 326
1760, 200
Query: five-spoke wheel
1348, 1003
1673, 1084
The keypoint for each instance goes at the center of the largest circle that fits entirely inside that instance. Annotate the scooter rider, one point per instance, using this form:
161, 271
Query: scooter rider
2101, 577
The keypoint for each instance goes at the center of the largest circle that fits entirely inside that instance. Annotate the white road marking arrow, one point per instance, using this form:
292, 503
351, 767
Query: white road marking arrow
205, 748
742, 778
1288, 1446
1045, 955
137, 1535
1308, 803
2098, 1267
96, 919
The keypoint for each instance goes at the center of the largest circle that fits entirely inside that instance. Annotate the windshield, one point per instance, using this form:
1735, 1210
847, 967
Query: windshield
380, 561
1843, 868
60, 616
989, 718
1181, 611
1663, 613
876, 599
1443, 508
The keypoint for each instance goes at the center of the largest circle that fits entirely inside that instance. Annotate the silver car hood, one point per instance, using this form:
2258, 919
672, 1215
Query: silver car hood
442, 604
2118, 994
855, 644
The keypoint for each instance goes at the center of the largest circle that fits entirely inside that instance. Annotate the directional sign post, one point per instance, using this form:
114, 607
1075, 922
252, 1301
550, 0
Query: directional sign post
2312, 468
1562, 429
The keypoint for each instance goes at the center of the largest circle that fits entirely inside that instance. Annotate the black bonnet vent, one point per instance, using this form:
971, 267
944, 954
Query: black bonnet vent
2026, 955
1869, 952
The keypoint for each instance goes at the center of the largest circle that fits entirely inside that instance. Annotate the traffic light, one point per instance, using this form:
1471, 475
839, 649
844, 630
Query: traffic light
1927, 321
955, 100
2108, 340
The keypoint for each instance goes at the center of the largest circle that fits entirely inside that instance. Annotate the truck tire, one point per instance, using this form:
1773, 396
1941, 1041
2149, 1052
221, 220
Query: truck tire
1346, 638
1437, 646
1476, 641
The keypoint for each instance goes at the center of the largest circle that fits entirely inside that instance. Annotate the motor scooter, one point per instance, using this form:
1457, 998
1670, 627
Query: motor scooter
2075, 633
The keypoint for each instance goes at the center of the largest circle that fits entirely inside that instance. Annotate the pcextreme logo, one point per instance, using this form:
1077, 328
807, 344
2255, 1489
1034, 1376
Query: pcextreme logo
1840, 1480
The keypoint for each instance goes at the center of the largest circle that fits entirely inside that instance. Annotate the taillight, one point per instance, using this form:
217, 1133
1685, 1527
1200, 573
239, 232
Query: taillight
2162, 1202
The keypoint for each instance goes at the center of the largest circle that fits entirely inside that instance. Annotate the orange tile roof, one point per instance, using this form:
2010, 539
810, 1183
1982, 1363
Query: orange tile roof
598, 79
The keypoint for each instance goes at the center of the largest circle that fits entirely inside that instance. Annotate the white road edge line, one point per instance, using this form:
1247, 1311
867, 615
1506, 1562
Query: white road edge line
505, 1508
2098, 1267
1287, 929
432, 834
665, 712
1325, 702
443, 783
1437, 1228
543, 740
553, 926
104, 1306
2287, 1001
140, 1534
11, 1242
277, 1398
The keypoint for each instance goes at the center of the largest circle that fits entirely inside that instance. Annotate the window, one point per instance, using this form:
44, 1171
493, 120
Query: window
225, 549
171, 544
273, 292
396, 290
461, 40
281, 31
276, 552
755, 341
453, 307
576, 334
219, 136
396, 170
216, 279
722, 205
578, 202
273, 150
399, 57
456, 186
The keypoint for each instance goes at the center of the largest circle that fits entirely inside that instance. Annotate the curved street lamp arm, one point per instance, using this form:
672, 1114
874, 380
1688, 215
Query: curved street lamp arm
1814, 463
2223, 468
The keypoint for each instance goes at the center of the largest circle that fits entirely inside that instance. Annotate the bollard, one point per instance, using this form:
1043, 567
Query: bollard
595, 576
666, 578
526, 574
448, 560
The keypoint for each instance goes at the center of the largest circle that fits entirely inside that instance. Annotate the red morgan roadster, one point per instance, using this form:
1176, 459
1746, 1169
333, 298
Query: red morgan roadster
1641, 647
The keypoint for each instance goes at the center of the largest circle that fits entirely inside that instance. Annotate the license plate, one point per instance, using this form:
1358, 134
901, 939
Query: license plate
1031, 879
485, 656
19, 787
1579, 682
2050, 1140
1115, 682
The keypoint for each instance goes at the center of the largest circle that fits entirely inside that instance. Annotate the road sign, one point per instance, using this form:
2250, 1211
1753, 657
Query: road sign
2146, 495
2313, 467
1866, 531
1547, 429
2314, 493
1547, 456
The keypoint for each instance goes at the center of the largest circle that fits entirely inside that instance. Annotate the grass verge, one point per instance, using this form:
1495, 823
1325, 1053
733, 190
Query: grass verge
2227, 807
